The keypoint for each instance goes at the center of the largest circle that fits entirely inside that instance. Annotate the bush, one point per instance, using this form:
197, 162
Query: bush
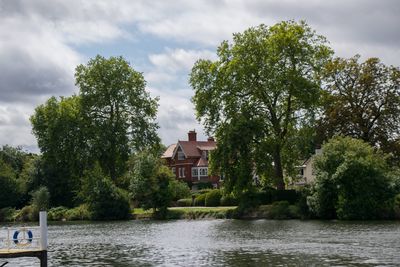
9, 189
40, 199
352, 182
78, 213
213, 198
200, 200
229, 200
57, 214
26, 214
105, 201
184, 202
7, 214
280, 210
179, 189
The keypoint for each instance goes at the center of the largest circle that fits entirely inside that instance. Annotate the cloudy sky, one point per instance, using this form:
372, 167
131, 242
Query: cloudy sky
41, 43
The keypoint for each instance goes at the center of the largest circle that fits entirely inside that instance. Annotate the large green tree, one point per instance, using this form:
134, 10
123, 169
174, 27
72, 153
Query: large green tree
267, 77
59, 129
362, 100
118, 111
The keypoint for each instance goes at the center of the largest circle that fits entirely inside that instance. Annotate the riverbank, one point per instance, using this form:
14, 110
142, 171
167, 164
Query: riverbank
278, 210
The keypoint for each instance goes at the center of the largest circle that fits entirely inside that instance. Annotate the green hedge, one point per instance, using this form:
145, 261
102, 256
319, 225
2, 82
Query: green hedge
229, 200
184, 202
200, 200
213, 198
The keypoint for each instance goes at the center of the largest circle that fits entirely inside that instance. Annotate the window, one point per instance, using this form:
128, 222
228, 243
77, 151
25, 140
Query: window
173, 170
195, 172
203, 171
181, 172
181, 155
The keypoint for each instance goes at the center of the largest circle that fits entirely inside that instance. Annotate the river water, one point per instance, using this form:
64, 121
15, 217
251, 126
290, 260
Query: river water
221, 243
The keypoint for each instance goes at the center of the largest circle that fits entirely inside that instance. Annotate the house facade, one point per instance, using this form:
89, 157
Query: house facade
306, 174
188, 160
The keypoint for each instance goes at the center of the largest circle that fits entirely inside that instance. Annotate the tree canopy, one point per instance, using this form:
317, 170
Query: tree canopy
263, 84
117, 110
362, 100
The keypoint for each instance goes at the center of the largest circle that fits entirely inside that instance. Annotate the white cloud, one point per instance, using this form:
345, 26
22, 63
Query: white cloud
39, 41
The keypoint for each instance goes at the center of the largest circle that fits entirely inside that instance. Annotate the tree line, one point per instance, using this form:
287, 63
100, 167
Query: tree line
274, 94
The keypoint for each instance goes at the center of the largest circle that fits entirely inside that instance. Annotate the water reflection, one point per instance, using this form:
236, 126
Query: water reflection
223, 243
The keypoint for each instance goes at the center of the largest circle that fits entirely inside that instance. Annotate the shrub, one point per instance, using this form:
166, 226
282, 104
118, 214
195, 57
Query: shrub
105, 201
352, 181
40, 199
7, 214
184, 202
78, 213
179, 189
200, 200
213, 198
229, 200
280, 210
57, 213
26, 214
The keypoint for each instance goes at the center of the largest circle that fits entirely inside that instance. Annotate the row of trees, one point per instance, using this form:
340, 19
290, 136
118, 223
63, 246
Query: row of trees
276, 93
99, 150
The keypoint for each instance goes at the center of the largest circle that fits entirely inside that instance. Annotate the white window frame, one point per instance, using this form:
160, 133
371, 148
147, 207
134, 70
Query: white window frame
181, 172
195, 172
173, 169
203, 172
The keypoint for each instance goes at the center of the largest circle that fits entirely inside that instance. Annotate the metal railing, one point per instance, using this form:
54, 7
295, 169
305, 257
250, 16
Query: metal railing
20, 238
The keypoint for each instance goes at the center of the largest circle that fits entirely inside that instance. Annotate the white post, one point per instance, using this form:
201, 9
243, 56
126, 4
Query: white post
43, 230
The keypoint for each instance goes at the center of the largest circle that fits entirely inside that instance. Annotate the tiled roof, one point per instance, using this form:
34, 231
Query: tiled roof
169, 152
193, 148
202, 162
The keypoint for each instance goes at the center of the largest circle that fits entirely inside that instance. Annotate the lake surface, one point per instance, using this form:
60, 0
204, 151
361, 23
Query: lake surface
222, 243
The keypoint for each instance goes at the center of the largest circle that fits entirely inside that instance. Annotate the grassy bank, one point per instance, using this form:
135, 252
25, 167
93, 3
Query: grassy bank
189, 213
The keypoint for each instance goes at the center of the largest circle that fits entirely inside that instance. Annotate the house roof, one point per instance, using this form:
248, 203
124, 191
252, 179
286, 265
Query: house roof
191, 149
202, 162
194, 148
169, 152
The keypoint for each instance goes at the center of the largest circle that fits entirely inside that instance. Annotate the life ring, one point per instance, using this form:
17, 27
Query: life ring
28, 240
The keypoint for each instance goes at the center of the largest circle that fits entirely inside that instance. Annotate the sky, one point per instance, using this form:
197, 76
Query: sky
42, 41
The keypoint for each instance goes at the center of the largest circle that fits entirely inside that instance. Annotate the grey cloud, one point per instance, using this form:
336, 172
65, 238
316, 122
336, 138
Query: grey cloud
23, 79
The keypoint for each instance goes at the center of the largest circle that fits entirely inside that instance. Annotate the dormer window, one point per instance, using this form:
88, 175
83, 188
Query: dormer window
205, 154
181, 155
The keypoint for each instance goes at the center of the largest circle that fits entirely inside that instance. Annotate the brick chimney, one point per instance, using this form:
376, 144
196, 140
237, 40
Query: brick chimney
210, 139
192, 136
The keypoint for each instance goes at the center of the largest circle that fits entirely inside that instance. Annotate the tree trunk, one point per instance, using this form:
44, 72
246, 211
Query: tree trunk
280, 184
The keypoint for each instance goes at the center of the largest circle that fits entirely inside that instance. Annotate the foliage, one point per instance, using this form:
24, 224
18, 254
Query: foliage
256, 95
26, 214
57, 213
179, 189
105, 201
280, 210
204, 185
79, 213
213, 198
9, 190
184, 202
362, 100
151, 183
352, 181
229, 200
40, 199
119, 112
200, 200
61, 135
7, 214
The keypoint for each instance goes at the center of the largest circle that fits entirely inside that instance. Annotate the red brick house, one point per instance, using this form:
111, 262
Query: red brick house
189, 160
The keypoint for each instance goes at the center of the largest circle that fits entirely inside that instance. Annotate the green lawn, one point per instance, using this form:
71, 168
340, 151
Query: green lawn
186, 212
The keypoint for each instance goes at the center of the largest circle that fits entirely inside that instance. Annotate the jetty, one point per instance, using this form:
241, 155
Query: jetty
16, 242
